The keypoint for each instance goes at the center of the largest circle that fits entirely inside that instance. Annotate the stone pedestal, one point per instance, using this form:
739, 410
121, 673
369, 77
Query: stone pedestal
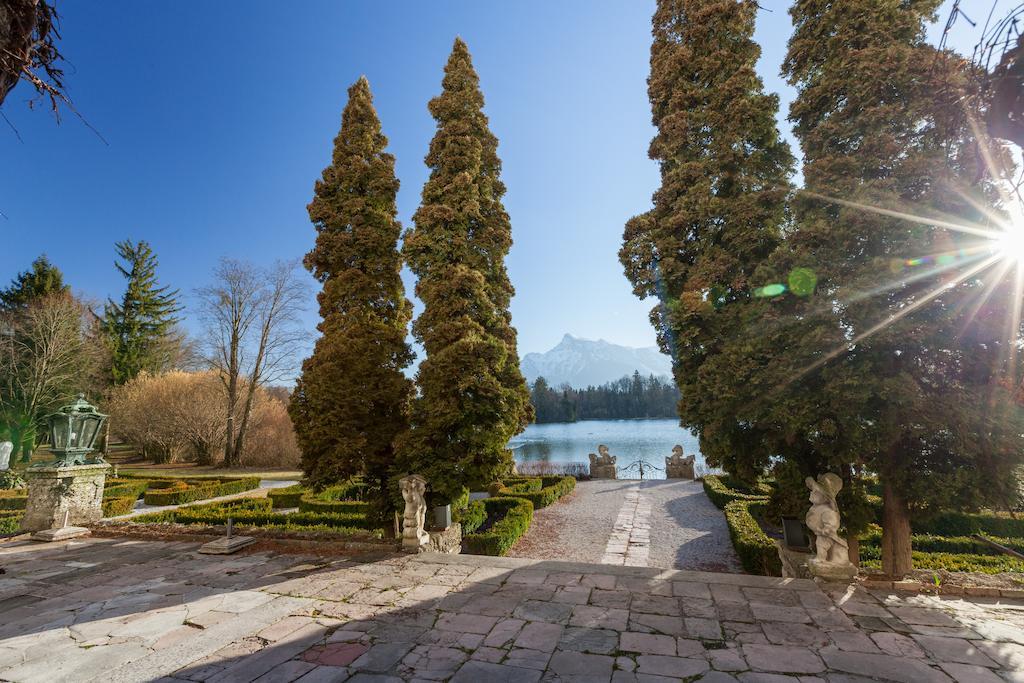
794, 562
448, 541
53, 491
226, 545
832, 571
63, 533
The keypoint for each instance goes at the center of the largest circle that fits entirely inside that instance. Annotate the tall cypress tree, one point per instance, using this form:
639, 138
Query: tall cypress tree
473, 398
351, 399
138, 329
716, 218
881, 119
41, 279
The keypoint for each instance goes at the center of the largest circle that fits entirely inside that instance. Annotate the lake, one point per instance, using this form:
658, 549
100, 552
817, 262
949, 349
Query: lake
629, 440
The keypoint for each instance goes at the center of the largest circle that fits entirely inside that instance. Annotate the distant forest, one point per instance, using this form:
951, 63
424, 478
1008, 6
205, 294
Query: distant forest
629, 397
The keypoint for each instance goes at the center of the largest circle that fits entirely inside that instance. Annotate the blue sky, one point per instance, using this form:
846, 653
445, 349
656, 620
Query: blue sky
220, 116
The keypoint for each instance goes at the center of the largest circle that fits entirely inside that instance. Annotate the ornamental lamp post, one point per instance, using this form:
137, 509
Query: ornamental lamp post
73, 432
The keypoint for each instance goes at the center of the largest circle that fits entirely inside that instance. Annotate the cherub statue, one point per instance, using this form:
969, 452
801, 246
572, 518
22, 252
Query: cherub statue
414, 533
823, 519
679, 466
602, 465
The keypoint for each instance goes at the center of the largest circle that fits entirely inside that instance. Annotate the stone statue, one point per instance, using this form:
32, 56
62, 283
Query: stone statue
678, 466
5, 454
602, 465
832, 555
414, 533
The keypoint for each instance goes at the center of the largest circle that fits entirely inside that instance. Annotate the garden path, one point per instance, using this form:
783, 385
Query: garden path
116, 610
265, 485
662, 523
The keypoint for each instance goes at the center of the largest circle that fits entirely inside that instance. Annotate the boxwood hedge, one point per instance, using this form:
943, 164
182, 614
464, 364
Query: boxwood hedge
177, 491
757, 551
471, 516
507, 520
541, 491
288, 496
717, 489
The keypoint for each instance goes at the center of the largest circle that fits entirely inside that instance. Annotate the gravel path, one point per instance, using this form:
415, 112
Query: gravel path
683, 530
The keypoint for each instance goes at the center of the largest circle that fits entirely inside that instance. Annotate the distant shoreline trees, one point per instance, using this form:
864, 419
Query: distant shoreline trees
631, 397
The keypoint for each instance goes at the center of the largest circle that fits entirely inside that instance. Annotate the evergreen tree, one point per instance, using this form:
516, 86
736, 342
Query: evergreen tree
139, 329
41, 279
717, 216
351, 400
473, 398
913, 383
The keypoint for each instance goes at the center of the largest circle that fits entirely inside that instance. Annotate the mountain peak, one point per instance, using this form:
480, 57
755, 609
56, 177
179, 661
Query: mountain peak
583, 362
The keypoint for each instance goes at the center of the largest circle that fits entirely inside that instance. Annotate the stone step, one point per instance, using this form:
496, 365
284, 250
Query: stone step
649, 573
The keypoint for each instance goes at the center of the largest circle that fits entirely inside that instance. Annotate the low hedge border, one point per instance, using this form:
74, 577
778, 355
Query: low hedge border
952, 524
258, 512
952, 562
117, 506
13, 499
177, 491
471, 516
540, 491
510, 518
721, 495
10, 523
757, 552
288, 496
960, 545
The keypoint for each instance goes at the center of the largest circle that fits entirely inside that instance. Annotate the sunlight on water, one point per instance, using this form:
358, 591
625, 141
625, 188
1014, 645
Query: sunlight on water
630, 440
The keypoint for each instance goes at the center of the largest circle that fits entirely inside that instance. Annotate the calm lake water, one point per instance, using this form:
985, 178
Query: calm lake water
629, 440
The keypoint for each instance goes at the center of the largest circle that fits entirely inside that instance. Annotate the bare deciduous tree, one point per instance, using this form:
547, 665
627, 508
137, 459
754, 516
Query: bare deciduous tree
253, 336
43, 359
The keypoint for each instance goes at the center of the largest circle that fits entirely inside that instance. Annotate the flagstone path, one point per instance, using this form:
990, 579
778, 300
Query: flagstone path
669, 524
117, 610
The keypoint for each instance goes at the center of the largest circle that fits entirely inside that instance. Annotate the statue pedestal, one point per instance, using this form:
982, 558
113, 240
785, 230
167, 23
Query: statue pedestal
794, 562
59, 496
832, 571
679, 471
603, 472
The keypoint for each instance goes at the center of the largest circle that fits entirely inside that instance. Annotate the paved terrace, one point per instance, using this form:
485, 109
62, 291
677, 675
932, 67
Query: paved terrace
130, 610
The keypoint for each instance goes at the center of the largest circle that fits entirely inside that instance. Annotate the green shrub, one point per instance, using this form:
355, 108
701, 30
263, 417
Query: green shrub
984, 564
507, 520
541, 491
312, 503
10, 524
175, 492
757, 552
928, 543
124, 488
721, 495
114, 507
288, 496
471, 516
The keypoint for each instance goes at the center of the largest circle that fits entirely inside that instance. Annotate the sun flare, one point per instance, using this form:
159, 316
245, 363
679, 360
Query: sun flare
1010, 244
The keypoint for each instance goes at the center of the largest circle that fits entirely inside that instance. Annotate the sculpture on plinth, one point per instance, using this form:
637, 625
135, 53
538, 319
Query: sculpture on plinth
679, 466
831, 559
602, 465
414, 532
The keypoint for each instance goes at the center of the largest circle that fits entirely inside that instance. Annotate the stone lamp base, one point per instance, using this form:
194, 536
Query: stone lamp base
60, 496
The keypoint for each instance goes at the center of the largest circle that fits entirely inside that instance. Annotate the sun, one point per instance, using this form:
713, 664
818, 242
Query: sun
1010, 243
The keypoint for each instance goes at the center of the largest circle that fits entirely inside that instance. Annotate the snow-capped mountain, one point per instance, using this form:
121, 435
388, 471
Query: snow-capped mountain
583, 362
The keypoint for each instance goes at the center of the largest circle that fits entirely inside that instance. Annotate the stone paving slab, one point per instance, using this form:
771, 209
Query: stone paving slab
121, 610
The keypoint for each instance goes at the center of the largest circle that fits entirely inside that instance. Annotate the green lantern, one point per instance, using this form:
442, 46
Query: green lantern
73, 432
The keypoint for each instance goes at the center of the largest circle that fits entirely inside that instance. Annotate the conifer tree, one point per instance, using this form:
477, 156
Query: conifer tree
473, 398
140, 327
717, 216
351, 400
881, 117
42, 279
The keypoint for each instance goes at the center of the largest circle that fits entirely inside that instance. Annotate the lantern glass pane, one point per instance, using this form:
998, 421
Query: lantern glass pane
90, 426
60, 433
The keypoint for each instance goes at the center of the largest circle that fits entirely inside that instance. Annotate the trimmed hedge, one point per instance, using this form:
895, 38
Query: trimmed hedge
10, 522
509, 519
471, 516
125, 488
953, 562
965, 524
287, 497
963, 545
257, 512
540, 491
177, 491
721, 495
757, 552
114, 507
13, 499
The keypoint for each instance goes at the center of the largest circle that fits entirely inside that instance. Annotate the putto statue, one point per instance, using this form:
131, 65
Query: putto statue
679, 466
414, 533
832, 555
602, 465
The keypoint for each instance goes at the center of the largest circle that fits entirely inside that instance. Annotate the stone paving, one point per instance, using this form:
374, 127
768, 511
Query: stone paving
114, 609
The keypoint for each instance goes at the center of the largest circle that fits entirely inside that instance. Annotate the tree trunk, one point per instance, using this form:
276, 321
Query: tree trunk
854, 549
897, 560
